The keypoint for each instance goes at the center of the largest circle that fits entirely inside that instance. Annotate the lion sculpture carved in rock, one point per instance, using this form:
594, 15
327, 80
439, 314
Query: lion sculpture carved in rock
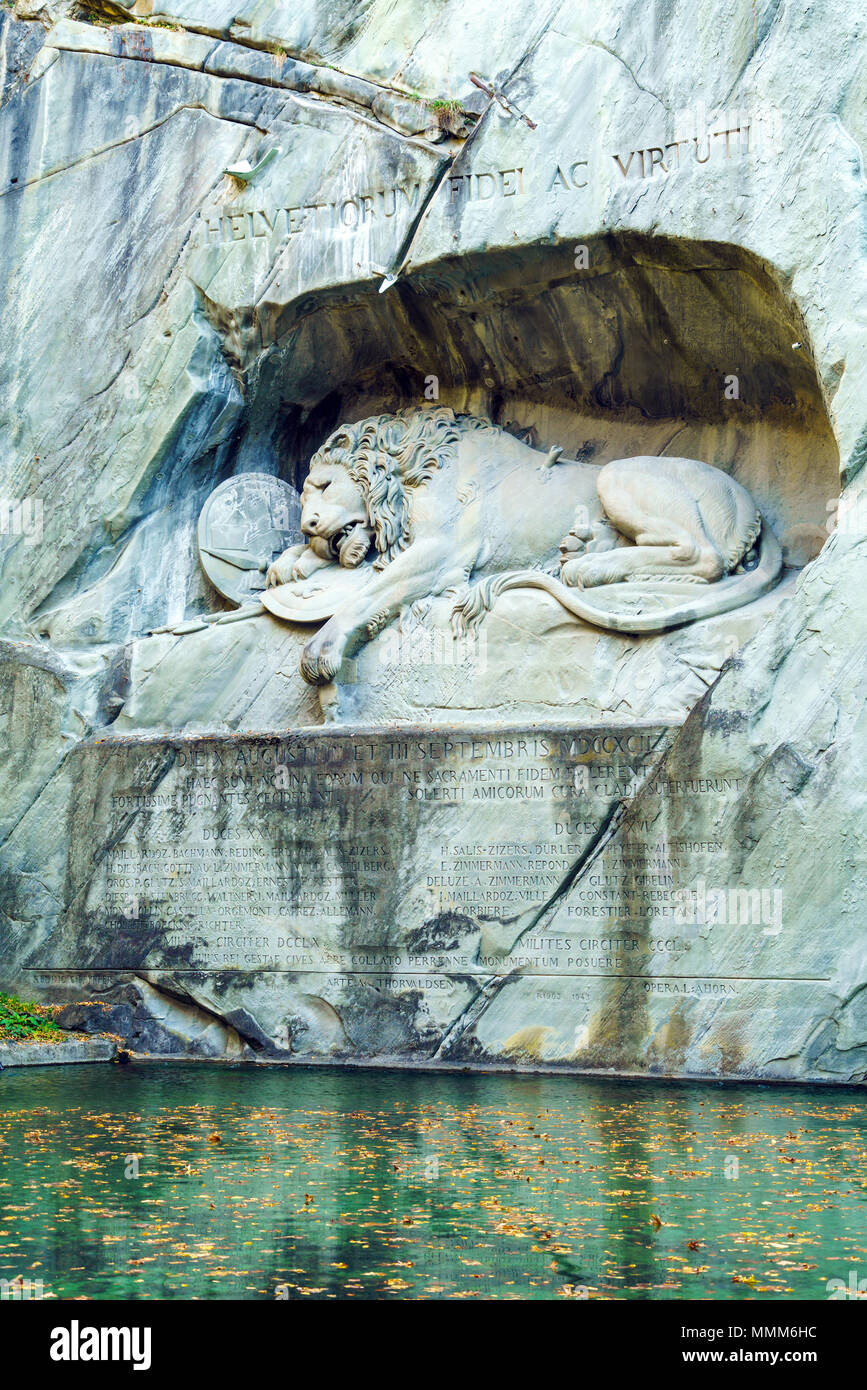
449, 502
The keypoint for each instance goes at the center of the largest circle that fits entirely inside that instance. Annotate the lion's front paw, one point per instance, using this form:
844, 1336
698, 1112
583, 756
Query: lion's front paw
322, 658
282, 570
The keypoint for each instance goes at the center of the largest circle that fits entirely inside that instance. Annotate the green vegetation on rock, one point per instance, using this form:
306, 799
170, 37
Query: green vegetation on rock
23, 1022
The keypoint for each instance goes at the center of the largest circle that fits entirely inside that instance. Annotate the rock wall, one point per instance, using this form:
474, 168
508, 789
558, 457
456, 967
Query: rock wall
656, 203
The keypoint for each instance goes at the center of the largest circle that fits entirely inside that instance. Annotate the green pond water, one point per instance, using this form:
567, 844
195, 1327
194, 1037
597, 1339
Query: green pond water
312, 1183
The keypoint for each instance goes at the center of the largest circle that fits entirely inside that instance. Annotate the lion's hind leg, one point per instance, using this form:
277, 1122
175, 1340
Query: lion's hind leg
638, 562
662, 550
665, 523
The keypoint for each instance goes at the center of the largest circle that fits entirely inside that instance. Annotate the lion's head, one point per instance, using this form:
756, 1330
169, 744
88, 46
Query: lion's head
334, 514
359, 481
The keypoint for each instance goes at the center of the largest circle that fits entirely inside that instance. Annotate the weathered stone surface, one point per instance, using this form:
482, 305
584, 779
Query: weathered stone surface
93, 1017
419, 672
71, 1050
153, 1023
345, 894
587, 258
455, 896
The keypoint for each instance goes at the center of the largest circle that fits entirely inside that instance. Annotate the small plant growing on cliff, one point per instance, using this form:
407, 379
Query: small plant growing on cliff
20, 1021
450, 115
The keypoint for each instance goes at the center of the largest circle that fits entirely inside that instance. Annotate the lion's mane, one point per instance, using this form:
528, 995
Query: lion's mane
389, 454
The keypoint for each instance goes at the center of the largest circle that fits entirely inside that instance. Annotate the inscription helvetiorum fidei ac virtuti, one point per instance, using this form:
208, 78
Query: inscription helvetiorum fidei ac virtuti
431, 606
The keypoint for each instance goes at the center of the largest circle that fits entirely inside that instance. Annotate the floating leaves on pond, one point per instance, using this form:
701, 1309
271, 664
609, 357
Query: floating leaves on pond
295, 1184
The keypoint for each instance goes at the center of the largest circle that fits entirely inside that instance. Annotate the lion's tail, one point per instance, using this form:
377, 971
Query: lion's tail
717, 598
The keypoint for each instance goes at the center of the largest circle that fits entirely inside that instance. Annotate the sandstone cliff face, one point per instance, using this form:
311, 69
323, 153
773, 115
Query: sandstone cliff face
662, 200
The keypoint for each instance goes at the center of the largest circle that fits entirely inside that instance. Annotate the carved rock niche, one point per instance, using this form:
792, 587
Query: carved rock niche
628, 345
